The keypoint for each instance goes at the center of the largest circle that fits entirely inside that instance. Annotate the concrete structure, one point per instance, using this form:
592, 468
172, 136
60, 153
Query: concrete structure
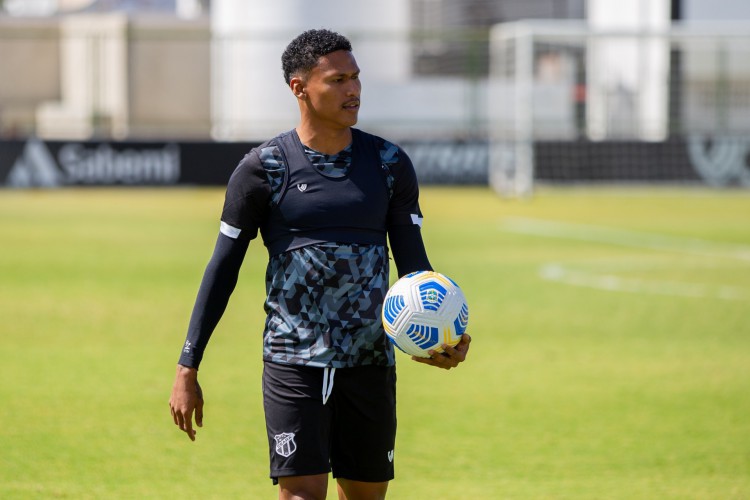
249, 97
30, 68
129, 74
626, 87
105, 75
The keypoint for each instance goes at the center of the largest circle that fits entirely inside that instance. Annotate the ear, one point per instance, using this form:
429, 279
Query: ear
298, 87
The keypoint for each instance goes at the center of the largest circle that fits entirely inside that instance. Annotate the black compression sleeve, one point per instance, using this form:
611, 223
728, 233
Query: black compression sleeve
216, 287
408, 249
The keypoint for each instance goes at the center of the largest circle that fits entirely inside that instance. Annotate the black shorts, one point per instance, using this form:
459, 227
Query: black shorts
353, 434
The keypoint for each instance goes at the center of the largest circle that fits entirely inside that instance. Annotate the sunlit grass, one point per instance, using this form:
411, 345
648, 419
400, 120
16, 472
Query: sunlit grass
570, 391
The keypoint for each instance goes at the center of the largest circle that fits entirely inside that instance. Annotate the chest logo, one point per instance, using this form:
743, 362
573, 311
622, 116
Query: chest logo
302, 187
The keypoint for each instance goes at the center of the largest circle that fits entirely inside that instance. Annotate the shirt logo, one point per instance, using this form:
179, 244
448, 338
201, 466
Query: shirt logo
285, 444
302, 187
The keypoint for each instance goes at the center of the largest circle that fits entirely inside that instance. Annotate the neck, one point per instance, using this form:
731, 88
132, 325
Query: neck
325, 141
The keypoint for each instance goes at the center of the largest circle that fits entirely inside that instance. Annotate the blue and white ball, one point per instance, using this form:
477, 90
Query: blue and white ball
424, 310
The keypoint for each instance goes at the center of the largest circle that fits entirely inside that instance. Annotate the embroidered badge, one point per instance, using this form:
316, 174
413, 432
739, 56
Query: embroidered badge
285, 444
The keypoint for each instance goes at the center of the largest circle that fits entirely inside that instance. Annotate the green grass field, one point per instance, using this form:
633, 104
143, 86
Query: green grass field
611, 353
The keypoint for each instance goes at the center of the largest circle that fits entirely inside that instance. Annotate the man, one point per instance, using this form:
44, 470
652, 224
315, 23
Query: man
324, 196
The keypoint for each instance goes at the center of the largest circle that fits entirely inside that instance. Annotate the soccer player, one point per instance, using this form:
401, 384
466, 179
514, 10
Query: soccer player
327, 199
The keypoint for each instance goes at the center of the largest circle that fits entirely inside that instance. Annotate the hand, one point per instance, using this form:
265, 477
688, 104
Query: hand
186, 397
450, 357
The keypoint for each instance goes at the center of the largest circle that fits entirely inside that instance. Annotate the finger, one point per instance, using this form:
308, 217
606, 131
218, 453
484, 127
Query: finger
189, 428
449, 355
439, 363
199, 413
440, 360
174, 413
455, 354
432, 360
183, 420
449, 350
445, 363
179, 420
460, 350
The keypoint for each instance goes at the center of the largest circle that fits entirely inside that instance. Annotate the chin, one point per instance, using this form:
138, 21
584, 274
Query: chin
352, 121
346, 123
350, 118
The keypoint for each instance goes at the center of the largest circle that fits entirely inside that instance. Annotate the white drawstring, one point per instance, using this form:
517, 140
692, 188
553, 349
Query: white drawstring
328, 383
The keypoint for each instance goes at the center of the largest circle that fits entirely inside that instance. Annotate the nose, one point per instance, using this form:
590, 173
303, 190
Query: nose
354, 88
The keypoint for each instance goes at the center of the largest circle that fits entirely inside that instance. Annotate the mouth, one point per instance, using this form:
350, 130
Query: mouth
351, 105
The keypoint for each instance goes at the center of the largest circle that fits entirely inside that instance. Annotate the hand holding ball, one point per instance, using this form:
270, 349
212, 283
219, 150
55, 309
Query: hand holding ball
424, 310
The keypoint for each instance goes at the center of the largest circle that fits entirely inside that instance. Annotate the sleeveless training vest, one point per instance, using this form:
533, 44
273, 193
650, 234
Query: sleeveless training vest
316, 208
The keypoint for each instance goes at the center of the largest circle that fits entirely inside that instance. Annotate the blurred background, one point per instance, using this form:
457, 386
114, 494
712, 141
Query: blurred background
506, 92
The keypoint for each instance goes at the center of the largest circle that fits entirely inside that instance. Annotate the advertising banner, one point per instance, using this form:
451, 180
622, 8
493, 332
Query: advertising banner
34, 163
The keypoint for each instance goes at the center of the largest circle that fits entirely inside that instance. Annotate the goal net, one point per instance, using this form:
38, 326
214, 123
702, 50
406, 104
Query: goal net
572, 104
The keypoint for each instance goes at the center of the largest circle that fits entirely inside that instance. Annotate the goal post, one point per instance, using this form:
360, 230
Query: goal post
572, 104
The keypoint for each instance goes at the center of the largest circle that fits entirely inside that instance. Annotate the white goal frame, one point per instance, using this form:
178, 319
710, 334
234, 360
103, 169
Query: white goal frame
562, 80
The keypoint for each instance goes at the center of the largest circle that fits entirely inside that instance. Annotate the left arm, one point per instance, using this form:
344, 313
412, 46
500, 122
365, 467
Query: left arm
410, 255
404, 220
407, 246
408, 249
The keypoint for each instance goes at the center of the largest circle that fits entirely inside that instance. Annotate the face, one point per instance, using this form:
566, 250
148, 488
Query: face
330, 92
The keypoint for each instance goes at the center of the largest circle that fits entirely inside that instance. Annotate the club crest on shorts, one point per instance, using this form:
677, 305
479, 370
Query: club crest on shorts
302, 187
285, 444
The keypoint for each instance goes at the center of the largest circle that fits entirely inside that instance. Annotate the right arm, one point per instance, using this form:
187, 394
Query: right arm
245, 207
216, 287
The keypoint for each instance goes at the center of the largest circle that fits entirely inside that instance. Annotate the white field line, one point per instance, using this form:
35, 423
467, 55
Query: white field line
613, 283
633, 239
623, 237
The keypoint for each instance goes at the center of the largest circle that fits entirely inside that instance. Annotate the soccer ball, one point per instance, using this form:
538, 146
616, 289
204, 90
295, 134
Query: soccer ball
424, 310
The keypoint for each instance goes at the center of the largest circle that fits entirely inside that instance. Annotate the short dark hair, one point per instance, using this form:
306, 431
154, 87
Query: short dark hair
302, 53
